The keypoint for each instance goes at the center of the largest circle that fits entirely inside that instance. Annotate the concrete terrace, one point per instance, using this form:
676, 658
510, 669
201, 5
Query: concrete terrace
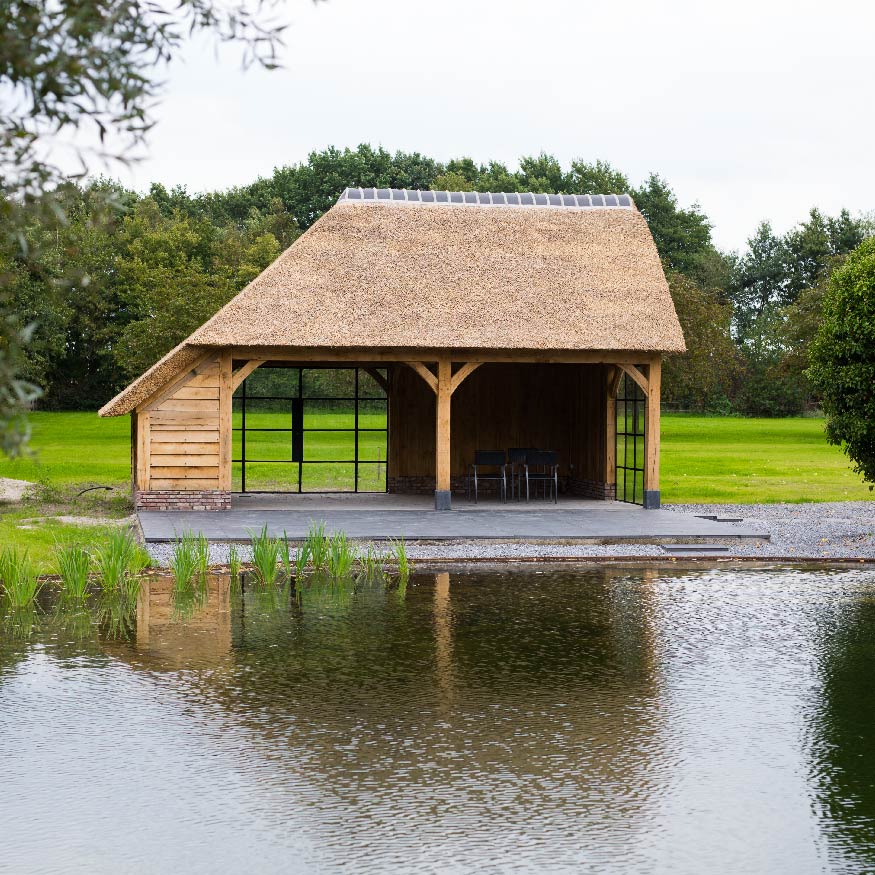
383, 516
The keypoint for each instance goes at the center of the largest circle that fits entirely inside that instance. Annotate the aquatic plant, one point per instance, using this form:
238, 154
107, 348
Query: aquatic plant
288, 564
74, 563
265, 556
140, 560
183, 561
202, 558
21, 583
400, 553
371, 563
234, 563
341, 556
302, 557
317, 546
113, 559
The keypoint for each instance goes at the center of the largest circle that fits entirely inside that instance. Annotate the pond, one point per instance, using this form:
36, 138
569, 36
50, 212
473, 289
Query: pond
527, 719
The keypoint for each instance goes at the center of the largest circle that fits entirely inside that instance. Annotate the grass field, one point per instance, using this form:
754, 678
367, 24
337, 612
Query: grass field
704, 459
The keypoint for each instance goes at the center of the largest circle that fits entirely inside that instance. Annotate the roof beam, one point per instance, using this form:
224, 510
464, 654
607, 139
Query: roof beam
638, 377
426, 374
375, 355
379, 379
244, 371
465, 371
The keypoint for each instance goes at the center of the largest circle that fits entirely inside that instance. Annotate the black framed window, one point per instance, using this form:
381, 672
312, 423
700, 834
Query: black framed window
311, 429
631, 405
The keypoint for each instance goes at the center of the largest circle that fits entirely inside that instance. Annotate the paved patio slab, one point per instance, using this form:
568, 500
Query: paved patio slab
579, 522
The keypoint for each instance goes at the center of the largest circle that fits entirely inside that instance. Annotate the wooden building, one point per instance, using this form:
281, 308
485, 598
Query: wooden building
472, 320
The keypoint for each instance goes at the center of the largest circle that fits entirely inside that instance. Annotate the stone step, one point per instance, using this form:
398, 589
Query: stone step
684, 549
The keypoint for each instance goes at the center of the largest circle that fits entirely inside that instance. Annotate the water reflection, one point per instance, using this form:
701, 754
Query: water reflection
606, 720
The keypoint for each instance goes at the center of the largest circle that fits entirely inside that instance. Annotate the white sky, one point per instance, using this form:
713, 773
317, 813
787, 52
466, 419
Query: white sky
756, 109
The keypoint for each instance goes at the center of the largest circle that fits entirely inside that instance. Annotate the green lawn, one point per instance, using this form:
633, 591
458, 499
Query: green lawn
707, 459
728, 460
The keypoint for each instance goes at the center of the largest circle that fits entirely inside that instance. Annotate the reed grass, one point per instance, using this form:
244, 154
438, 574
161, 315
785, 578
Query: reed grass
371, 563
341, 556
74, 564
202, 558
140, 561
183, 561
265, 556
302, 558
234, 563
317, 543
113, 559
399, 551
288, 562
20, 576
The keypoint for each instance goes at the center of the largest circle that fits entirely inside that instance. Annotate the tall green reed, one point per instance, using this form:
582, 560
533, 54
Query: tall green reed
265, 556
400, 553
183, 561
302, 558
317, 545
234, 562
20, 576
288, 562
341, 556
113, 559
202, 558
74, 564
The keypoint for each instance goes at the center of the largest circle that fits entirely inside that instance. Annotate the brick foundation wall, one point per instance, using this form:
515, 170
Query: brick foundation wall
424, 485
178, 499
589, 489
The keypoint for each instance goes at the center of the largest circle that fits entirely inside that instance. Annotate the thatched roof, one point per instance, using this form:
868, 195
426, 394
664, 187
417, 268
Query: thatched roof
395, 269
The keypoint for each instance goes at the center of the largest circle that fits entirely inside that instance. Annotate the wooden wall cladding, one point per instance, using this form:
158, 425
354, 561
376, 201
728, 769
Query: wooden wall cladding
551, 406
180, 437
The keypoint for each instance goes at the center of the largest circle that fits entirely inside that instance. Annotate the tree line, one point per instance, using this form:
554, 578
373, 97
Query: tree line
115, 278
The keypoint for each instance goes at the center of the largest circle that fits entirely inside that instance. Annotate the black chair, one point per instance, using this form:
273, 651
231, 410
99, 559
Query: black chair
516, 460
542, 466
489, 459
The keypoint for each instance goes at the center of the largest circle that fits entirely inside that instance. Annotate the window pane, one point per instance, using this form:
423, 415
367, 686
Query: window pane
268, 446
268, 414
267, 477
332, 477
271, 382
369, 387
373, 414
372, 446
329, 382
329, 414
372, 478
236, 477
329, 445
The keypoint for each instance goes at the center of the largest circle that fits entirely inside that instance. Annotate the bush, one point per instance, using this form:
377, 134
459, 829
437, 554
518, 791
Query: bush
843, 359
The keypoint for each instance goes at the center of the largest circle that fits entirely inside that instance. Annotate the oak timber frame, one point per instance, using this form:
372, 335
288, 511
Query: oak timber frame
181, 434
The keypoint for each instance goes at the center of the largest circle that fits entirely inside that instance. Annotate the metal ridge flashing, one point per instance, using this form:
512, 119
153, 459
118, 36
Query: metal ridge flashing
485, 199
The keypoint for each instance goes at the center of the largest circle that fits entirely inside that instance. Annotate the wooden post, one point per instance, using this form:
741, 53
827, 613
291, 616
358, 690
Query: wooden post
226, 392
442, 500
612, 375
142, 454
651, 436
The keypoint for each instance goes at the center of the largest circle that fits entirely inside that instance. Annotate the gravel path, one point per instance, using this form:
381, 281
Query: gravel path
835, 530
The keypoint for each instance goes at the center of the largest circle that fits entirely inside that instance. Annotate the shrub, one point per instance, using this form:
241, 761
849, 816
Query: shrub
843, 359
